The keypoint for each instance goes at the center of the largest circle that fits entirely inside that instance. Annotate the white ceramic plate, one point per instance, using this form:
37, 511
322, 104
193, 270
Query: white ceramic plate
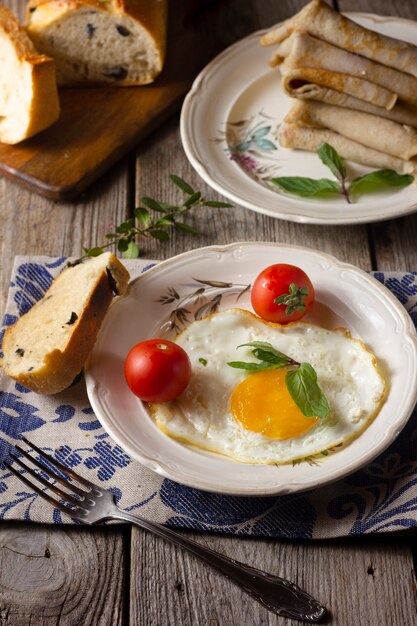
345, 296
229, 124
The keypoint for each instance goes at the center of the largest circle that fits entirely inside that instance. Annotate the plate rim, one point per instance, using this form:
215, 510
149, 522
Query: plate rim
297, 217
295, 487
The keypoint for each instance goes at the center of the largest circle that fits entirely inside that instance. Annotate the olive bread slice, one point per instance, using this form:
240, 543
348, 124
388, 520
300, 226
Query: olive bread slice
121, 42
47, 347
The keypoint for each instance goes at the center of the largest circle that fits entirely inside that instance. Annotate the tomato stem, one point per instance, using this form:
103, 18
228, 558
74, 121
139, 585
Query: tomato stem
294, 300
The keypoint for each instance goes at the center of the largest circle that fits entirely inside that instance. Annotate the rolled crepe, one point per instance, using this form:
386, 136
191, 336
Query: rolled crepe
301, 50
402, 112
299, 137
320, 20
369, 130
306, 82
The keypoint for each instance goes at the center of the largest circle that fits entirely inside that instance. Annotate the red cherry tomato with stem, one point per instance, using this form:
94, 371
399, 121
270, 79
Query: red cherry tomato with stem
282, 293
157, 370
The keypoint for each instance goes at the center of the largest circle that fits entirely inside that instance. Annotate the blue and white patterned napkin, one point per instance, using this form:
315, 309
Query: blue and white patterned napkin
381, 497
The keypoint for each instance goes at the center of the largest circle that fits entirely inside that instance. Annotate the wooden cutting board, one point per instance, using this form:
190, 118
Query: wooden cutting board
98, 125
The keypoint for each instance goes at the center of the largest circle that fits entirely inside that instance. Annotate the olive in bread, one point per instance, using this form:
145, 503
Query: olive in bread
47, 347
121, 42
28, 92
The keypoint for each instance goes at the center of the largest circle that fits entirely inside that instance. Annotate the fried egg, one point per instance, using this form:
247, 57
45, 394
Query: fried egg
251, 417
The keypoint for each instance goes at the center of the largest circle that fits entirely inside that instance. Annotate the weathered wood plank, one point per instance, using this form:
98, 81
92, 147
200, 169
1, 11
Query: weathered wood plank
65, 577
360, 581
394, 241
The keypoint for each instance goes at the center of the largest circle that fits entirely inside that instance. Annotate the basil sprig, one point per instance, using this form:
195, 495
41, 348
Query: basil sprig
301, 379
312, 187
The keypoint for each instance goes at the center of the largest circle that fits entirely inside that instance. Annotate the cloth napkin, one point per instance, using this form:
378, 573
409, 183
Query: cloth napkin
379, 498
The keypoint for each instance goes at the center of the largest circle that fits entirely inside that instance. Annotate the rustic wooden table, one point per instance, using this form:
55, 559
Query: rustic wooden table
121, 575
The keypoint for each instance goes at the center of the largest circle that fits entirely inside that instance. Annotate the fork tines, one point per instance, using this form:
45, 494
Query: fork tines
74, 499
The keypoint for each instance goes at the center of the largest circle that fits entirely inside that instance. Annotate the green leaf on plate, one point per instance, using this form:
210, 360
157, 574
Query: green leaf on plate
304, 390
252, 367
332, 160
379, 181
264, 351
307, 187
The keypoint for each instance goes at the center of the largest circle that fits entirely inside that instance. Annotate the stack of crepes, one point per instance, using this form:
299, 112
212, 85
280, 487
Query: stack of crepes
355, 89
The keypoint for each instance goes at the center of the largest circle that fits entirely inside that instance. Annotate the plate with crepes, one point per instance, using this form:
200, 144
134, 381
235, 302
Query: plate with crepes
209, 284
230, 125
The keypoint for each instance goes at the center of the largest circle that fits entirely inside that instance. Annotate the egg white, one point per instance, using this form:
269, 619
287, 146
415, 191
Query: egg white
346, 371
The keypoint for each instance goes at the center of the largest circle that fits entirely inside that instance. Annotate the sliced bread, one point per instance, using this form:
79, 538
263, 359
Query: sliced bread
121, 42
28, 92
47, 347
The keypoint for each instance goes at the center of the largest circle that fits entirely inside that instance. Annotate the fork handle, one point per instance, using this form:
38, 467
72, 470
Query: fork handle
280, 596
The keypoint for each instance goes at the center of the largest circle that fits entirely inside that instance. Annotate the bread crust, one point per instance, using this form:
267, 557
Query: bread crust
43, 108
152, 16
60, 367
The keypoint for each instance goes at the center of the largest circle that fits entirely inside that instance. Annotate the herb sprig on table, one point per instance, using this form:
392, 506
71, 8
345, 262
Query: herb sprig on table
300, 379
127, 235
323, 187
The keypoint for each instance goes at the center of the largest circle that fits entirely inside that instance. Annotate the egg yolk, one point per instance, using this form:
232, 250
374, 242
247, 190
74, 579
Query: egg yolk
262, 403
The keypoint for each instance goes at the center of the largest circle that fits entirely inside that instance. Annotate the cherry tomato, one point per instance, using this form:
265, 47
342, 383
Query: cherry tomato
157, 370
282, 293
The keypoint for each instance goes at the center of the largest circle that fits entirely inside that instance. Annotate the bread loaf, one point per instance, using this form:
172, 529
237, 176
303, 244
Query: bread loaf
121, 42
47, 347
28, 93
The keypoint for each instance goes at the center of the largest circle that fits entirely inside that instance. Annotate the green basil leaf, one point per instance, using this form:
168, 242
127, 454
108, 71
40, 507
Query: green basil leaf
306, 187
179, 182
332, 160
266, 347
252, 367
379, 180
132, 251
306, 393
203, 361
269, 357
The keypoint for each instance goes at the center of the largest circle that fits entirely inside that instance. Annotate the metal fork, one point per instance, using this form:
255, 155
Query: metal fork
91, 505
